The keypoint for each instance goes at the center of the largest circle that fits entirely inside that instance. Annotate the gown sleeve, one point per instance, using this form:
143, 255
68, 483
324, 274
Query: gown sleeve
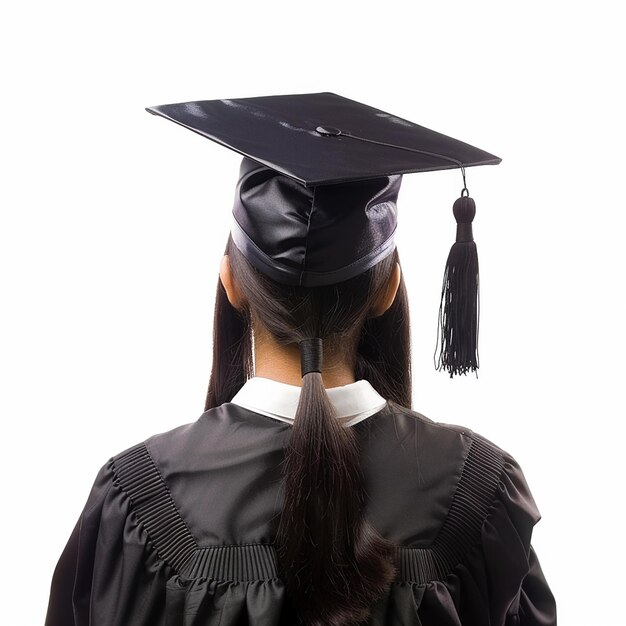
510, 555
107, 573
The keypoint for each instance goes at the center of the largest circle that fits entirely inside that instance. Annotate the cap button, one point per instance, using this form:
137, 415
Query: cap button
328, 130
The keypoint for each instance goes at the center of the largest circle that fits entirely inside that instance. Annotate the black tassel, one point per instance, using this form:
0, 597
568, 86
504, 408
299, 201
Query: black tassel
457, 334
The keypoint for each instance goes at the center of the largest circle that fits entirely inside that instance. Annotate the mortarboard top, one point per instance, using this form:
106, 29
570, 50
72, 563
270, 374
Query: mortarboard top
280, 133
315, 202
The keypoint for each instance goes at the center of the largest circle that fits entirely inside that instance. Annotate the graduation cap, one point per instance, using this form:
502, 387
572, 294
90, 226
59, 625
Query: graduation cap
315, 203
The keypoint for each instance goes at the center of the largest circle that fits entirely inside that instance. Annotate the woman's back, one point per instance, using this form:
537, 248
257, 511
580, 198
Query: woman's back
180, 529
359, 511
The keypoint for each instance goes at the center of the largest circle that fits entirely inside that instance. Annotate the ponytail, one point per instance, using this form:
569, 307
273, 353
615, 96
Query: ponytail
333, 561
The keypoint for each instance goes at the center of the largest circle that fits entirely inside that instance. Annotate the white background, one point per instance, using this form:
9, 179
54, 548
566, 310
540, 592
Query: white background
114, 222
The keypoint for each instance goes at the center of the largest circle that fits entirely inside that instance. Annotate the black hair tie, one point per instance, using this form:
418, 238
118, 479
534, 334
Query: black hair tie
311, 355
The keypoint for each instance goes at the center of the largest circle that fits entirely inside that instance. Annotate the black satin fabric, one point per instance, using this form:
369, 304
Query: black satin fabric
313, 236
178, 530
315, 202
281, 131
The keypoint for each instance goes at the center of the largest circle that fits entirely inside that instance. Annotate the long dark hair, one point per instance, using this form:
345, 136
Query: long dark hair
334, 563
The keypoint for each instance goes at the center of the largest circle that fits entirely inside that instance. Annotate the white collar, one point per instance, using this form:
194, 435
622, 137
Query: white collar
353, 402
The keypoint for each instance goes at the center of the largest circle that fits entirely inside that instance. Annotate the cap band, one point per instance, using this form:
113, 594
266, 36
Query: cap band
311, 355
307, 278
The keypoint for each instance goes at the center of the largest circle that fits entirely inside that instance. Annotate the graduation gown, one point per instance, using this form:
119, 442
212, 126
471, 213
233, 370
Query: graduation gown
178, 530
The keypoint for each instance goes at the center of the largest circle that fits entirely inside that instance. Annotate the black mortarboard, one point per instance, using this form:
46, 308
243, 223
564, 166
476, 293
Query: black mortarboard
315, 202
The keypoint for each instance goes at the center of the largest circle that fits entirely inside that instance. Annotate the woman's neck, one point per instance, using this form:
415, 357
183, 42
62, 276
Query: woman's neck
282, 363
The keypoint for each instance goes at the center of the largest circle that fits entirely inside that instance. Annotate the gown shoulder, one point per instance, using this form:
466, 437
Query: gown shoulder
178, 529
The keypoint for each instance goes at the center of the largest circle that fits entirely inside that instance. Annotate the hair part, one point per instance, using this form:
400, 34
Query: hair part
334, 563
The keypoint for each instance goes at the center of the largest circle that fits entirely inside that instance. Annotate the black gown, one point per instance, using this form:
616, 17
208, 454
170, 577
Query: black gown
178, 530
